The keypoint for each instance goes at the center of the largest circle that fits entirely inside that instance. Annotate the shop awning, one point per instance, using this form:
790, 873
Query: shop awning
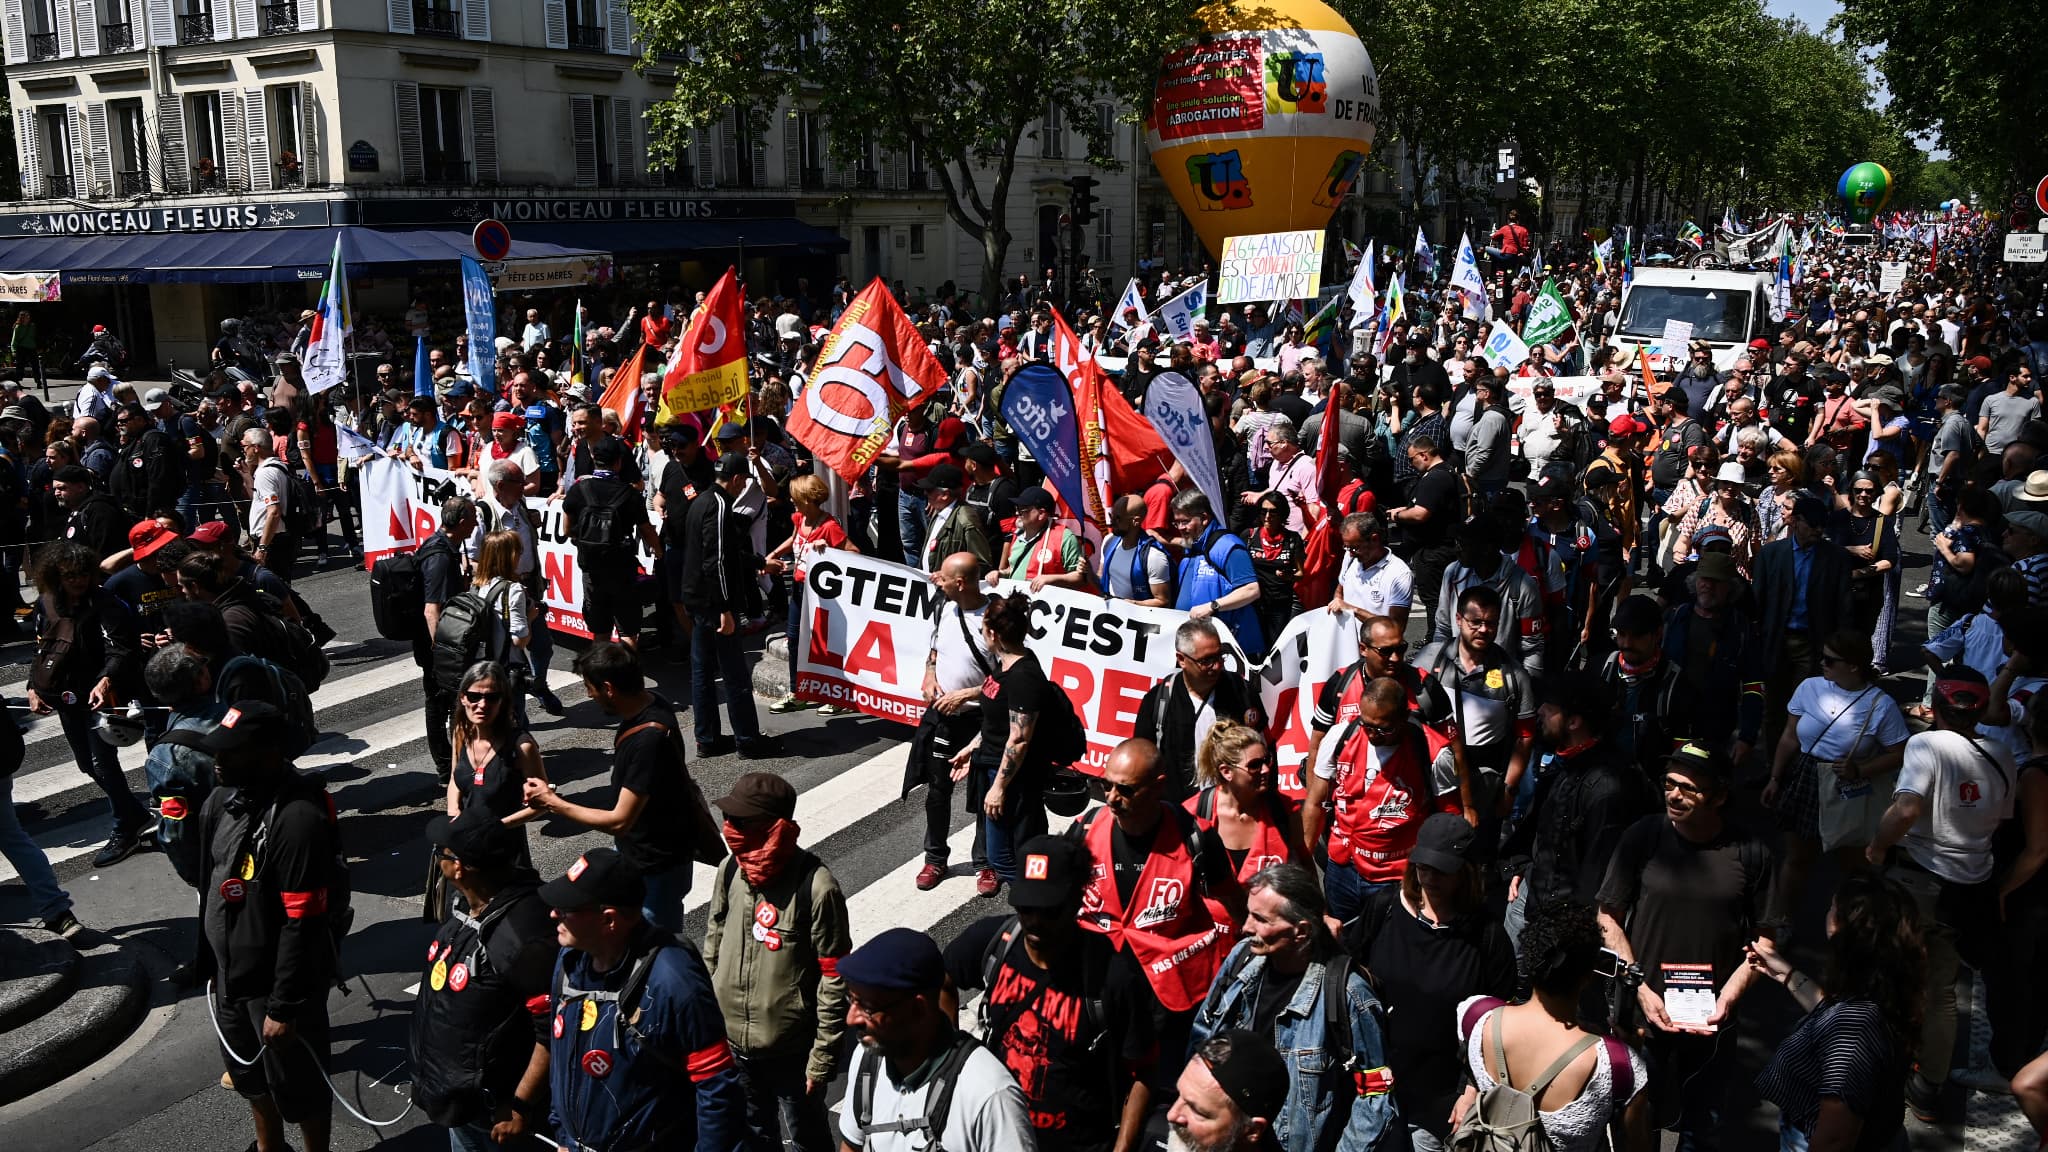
255, 256
680, 237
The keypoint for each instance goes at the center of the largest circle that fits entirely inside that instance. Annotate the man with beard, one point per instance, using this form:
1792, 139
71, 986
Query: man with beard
1069, 1015
915, 1080
1229, 1095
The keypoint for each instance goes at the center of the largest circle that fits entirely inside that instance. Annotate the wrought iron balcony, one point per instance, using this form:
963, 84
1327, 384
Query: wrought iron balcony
196, 28
278, 19
117, 38
586, 38
447, 170
205, 179
57, 184
288, 176
131, 183
428, 20
42, 46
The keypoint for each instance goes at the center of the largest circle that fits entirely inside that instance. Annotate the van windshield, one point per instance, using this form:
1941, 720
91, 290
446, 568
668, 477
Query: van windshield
1716, 314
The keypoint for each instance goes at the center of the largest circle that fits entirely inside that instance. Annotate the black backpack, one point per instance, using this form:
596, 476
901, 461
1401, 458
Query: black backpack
601, 530
254, 678
1060, 736
471, 629
398, 591
301, 503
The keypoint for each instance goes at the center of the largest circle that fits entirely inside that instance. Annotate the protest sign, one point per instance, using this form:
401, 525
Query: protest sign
1503, 349
1677, 334
1271, 266
1891, 276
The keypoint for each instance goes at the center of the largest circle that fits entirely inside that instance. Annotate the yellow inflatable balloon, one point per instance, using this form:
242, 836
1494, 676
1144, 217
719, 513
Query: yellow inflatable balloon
1263, 123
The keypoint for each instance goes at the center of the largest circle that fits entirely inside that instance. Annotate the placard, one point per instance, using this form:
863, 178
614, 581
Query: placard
1272, 266
1891, 276
1677, 334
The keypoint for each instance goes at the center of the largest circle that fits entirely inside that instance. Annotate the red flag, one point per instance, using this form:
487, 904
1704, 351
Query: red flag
623, 394
1933, 252
710, 368
873, 367
1110, 428
1323, 552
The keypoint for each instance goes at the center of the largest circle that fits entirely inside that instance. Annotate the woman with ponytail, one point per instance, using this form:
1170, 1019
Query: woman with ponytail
1258, 825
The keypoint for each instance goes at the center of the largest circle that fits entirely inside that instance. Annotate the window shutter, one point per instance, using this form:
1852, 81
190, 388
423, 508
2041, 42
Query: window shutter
412, 157
792, 153
17, 36
31, 155
483, 134
704, 155
729, 148
583, 138
61, 10
245, 17
256, 123
400, 16
556, 16
235, 165
476, 19
163, 29
99, 145
309, 15
618, 28
310, 131
88, 19
81, 160
626, 167
223, 20
170, 128
843, 171
899, 171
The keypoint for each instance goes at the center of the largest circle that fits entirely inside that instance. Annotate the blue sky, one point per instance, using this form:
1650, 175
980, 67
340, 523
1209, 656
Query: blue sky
1816, 13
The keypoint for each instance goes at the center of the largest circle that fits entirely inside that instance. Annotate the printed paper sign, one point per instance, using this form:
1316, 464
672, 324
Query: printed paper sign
1272, 266
1891, 276
1677, 334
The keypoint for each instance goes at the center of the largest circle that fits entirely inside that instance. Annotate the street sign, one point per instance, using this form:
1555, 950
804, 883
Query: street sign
492, 239
2026, 248
2041, 195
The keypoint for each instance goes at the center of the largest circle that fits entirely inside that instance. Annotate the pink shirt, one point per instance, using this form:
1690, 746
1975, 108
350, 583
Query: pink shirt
1296, 480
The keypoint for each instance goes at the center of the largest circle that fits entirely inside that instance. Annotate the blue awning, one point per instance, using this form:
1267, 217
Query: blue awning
256, 256
638, 237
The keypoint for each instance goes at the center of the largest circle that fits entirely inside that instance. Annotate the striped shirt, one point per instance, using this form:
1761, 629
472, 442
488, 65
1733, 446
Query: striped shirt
1842, 1049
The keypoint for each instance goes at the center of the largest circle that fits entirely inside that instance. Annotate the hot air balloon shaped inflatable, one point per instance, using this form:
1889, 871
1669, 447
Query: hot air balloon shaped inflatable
1865, 189
1263, 122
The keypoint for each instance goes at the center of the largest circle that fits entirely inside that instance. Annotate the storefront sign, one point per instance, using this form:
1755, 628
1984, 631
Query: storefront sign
549, 272
30, 287
192, 218
571, 209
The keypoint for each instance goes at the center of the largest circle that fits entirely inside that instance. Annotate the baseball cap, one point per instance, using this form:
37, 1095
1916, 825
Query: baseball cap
732, 430
1253, 1075
2033, 522
1717, 566
981, 452
154, 397
101, 371
248, 724
477, 837
900, 959
731, 466
758, 794
1980, 362
211, 532
147, 537
1962, 688
1711, 534
511, 421
459, 389
1637, 615
600, 878
1761, 345
1702, 764
943, 476
1626, 425
1037, 498
1555, 480
1050, 874
1444, 842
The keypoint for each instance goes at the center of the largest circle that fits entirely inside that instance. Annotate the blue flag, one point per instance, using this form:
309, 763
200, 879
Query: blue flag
422, 376
1039, 408
481, 310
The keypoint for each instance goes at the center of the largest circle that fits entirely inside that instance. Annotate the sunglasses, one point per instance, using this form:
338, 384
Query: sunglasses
1683, 787
1379, 729
1139, 789
1864, 491
1257, 764
483, 697
1392, 650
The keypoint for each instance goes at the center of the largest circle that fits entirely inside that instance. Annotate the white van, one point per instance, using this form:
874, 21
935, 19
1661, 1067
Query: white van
1725, 309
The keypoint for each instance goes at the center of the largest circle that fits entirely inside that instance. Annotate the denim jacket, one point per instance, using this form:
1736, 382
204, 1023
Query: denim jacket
1328, 1107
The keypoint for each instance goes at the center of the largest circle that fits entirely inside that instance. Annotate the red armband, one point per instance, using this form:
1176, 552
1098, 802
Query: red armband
299, 905
829, 966
710, 1060
537, 1005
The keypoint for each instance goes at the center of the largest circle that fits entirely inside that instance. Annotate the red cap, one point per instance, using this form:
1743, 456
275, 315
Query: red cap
147, 537
512, 420
1626, 425
211, 532
1760, 345
1980, 362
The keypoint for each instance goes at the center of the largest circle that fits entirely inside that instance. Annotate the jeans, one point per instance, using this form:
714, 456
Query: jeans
1517, 916
102, 762
777, 1103
910, 508
440, 711
1940, 514
1346, 891
711, 657
663, 904
1951, 915
1023, 818
796, 616
27, 857
540, 652
1420, 1140
472, 1138
339, 502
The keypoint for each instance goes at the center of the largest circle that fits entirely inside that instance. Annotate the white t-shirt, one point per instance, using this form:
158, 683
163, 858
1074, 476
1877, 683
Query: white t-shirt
1816, 702
986, 1113
1387, 584
957, 666
272, 486
1116, 565
1966, 788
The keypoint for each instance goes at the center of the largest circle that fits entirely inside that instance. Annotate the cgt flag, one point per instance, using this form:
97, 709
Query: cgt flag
873, 367
710, 367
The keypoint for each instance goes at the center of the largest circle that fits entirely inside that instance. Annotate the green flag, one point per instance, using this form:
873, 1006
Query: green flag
1549, 315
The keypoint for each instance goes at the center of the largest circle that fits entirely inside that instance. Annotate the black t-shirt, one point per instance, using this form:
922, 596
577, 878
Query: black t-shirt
680, 484
1438, 491
1276, 991
1071, 1068
1277, 563
1685, 902
1022, 687
629, 469
1422, 972
144, 593
650, 764
1128, 858
591, 499
1296, 409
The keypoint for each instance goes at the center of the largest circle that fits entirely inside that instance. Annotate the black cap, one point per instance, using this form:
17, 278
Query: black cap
478, 838
943, 476
1050, 874
132, 409
1555, 481
1444, 842
1037, 498
73, 474
600, 878
1703, 765
759, 794
900, 959
607, 451
1580, 693
981, 452
1637, 615
1253, 1076
732, 465
249, 724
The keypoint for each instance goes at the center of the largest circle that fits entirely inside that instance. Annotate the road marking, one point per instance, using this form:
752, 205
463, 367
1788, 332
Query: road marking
894, 901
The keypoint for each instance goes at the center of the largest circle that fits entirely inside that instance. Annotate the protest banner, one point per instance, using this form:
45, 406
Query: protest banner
1271, 266
1176, 318
1503, 349
1174, 407
1574, 390
1672, 343
1315, 646
480, 317
1891, 276
710, 368
1039, 407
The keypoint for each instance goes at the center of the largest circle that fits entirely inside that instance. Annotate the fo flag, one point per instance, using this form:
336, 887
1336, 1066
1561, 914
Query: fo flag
1039, 407
710, 368
873, 367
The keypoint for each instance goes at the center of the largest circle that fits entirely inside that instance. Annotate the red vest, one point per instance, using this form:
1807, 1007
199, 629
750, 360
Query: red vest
1168, 928
1379, 811
1048, 553
1269, 846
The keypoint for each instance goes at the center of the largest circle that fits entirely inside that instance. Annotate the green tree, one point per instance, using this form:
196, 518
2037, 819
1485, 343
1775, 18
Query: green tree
964, 85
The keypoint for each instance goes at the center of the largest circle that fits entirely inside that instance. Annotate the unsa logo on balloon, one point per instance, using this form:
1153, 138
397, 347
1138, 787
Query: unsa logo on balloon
1294, 83
1219, 181
1342, 175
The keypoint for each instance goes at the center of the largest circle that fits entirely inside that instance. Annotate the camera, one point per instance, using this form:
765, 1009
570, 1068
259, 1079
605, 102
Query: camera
1613, 967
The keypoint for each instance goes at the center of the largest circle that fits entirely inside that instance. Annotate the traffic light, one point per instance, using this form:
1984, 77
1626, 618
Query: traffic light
1082, 202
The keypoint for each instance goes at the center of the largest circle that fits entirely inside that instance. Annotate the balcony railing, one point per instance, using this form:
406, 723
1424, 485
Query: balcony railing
196, 28
208, 180
867, 178
56, 184
447, 171
586, 38
278, 19
117, 38
42, 46
428, 20
812, 179
131, 183
292, 176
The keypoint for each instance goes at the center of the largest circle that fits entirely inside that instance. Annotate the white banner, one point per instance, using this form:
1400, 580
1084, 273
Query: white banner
1176, 318
391, 514
1315, 645
1891, 276
549, 272
1174, 407
1271, 266
31, 287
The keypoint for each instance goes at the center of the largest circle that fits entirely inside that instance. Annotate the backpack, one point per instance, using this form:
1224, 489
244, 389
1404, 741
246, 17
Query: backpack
340, 888
1504, 1118
599, 528
307, 658
1060, 737
53, 652
398, 591
1094, 1015
301, 504
471, 629
254, 678
628, 996
938, 1099
1136, 558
